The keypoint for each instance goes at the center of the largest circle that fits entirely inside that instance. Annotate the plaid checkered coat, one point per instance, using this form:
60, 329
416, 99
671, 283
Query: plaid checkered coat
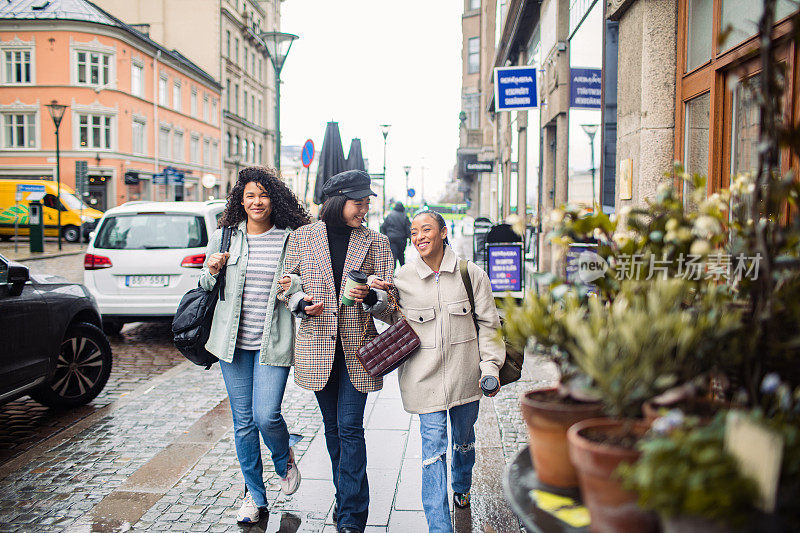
309, 257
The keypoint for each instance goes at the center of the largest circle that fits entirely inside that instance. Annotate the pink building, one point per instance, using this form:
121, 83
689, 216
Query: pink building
134, 107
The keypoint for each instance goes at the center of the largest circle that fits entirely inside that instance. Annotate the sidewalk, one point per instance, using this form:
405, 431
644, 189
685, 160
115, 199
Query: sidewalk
23, 252
162, 459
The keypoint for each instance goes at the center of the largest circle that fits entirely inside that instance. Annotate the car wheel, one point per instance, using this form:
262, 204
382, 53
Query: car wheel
82, 368
112, 327
71, 233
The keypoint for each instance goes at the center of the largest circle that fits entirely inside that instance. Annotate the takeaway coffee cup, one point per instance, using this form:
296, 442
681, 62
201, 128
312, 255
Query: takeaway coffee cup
355, 278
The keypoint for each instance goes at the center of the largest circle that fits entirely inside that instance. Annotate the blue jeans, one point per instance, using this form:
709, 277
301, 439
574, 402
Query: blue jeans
342, 408
255, 393
433, 428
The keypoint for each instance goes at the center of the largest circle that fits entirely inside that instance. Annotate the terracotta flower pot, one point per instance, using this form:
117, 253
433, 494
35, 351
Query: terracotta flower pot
612, 508
548, 421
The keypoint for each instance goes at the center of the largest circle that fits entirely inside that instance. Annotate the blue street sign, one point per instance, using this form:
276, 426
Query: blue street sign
585, 88
308, 153
515, 88
159, 179
411, 193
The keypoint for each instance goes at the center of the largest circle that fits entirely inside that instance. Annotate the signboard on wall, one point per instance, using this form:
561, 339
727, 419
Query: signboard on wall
585, 88
515, 88
504, 266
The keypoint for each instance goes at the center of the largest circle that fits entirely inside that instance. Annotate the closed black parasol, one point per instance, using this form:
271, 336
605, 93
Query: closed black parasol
355, 159
331, 159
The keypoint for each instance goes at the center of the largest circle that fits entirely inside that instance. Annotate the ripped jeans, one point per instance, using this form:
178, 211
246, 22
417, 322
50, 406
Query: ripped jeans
433, 428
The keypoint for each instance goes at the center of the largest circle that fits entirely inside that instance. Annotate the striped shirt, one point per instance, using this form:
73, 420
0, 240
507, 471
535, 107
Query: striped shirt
263, 251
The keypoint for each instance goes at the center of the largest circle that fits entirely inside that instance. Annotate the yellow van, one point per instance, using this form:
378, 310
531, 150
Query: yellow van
74, 213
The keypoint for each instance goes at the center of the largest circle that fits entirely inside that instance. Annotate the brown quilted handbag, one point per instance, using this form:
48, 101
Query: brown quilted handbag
390, 349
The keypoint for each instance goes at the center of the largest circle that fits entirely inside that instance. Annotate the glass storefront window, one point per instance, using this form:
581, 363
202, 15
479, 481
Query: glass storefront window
741, 18
698, 37
696, 139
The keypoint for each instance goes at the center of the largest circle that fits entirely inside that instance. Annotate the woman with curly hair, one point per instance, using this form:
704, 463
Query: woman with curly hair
251, 335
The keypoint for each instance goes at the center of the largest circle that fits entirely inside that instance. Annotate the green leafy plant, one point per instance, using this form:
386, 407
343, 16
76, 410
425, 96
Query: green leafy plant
689, 473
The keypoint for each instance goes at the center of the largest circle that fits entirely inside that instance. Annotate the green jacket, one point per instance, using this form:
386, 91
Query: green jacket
277, 343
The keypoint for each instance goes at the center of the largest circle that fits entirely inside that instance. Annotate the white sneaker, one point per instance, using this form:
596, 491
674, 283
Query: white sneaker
291, 482
249, 511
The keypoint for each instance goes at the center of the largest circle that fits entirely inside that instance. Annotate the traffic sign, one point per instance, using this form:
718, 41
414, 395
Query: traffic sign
308, 153
36, 192
159, 179
411, 193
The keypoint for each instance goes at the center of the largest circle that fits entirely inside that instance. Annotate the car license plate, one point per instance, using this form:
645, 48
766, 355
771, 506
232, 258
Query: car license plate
146, 281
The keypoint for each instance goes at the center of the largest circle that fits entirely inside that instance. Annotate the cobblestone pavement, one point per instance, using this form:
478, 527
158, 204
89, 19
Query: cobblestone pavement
56, 490
66, 266
50, 247
537, 373
140, 352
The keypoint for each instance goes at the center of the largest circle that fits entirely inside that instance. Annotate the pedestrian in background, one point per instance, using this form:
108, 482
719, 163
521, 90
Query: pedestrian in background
443, 379
251, 333
397, 228
319, 259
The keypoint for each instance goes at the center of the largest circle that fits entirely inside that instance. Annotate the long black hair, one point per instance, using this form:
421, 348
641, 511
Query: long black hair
331, 211
287, 212
435, 216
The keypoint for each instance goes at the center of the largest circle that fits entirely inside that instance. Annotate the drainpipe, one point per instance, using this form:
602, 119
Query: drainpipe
155, 121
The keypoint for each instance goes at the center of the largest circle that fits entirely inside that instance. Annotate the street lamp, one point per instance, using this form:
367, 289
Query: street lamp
407, 169
385, 131
278, 45
57, 113
590, 130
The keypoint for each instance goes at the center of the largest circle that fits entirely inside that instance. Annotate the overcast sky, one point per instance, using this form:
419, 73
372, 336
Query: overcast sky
364, 63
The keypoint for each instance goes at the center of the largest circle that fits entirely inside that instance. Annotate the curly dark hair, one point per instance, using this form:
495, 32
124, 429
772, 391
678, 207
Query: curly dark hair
287, 212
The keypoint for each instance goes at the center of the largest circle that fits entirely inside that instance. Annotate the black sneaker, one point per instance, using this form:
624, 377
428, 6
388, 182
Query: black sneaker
461, 499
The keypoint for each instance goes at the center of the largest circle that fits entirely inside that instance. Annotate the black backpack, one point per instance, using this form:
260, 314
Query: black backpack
191, 325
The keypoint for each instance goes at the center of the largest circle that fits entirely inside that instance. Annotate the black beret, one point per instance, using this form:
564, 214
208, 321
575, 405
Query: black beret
351, 183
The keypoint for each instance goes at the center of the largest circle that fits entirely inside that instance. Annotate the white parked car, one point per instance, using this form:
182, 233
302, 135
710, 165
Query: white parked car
144, 256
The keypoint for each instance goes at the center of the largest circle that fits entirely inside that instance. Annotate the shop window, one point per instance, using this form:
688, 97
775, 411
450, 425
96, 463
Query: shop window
699, 32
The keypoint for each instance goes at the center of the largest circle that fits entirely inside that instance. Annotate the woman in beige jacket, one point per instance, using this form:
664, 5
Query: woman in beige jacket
443, 377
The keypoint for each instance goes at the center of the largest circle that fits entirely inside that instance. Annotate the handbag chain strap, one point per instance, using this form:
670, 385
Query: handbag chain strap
393, 301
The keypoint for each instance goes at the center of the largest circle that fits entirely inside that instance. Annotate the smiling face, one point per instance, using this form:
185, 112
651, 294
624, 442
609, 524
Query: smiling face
427, 237
256, 203
354, 212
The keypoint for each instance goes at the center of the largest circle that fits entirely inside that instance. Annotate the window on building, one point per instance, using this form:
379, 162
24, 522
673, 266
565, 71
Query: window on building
259, 117
236, 50
193, 102
236, 145
214, 111
138, 136
253, 108
473, 55
471, 106
162, 91
214, 153
236, 98
699, 32
246, 57
18, 66
137, 80
205, 108
206, 152
260, 153
742, 16
253, 64
163, 142
696, 138
260, 64
94, 131
194, 149
94, 68
228, 44
253, 150
178, 150
176, 96
228, 146
474, 4
19, 130
227, 95
245, 105
246, 150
